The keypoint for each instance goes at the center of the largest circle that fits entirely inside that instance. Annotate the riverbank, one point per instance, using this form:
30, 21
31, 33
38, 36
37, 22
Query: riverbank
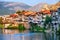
34, 28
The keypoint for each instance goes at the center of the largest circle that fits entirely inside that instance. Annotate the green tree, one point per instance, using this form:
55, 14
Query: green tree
21, 27
1, 26
58, 31
48, 21
35, 27
19, 12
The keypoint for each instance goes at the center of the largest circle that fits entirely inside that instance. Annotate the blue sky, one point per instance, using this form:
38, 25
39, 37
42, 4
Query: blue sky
33, 2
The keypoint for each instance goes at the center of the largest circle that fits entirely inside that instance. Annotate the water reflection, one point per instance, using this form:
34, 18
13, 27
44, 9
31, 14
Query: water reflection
50, 36
14, 31
7, 34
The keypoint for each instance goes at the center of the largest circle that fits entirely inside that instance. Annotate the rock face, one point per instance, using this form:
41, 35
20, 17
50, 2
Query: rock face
40, 6
55, 6
58, 4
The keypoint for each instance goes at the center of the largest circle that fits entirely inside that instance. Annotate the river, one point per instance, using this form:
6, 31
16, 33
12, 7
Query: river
7, 34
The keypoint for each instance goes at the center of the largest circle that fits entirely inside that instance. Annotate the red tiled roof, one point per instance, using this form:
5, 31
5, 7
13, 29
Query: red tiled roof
14, 15
46, 11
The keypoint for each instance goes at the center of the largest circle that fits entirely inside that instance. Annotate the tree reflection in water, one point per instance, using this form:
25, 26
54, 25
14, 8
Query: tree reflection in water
50, 36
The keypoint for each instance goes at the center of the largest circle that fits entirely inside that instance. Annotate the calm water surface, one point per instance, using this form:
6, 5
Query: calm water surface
6, 34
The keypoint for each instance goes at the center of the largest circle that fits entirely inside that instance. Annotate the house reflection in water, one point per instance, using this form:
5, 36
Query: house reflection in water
15, 31
8, 31
25, 35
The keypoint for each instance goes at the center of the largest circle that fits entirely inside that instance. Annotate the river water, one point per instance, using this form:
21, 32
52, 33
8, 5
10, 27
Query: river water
7, 34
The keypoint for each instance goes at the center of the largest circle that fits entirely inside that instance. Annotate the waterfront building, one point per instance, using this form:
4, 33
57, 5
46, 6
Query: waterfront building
59, 15
56, 19
39, 19
45, 13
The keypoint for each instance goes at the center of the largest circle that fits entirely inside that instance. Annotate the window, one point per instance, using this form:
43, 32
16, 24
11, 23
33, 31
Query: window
56, 13
55, 24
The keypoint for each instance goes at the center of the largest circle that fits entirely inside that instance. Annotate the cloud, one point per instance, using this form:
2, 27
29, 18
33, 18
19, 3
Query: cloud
11, 4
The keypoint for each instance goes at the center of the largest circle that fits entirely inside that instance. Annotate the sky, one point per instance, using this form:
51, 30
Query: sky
33, 2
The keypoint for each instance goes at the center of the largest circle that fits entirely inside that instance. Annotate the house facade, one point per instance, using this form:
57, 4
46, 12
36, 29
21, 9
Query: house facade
55, 19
